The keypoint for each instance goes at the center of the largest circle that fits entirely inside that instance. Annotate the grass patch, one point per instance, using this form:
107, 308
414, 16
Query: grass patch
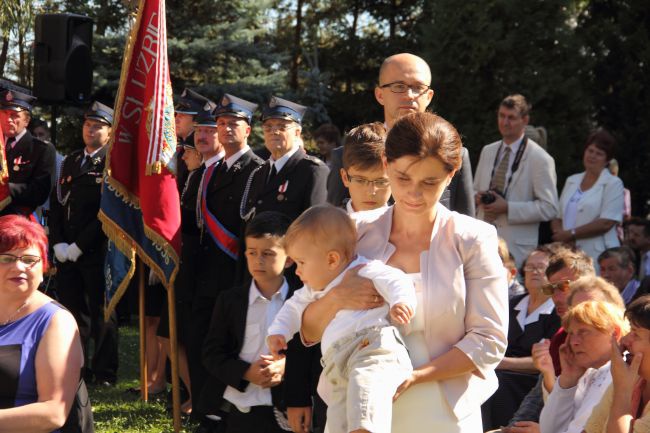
116, 410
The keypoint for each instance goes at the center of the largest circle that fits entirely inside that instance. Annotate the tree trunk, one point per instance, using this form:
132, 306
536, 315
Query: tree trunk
352, 38
3, 54
21, 58
391, 20
296, 47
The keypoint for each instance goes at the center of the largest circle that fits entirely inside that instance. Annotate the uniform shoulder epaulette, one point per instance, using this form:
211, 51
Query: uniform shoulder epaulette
314, 159
39, 142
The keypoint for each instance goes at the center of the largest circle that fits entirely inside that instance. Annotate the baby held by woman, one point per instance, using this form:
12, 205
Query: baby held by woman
364, 357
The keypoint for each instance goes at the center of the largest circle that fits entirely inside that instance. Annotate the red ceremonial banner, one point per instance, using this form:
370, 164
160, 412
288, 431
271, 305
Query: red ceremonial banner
140, 209
5, 194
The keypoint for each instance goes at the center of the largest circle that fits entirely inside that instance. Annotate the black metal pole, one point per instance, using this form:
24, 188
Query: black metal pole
55, 114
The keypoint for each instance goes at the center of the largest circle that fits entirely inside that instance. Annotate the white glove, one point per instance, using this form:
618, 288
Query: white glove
61, 252
153, 278
74, 252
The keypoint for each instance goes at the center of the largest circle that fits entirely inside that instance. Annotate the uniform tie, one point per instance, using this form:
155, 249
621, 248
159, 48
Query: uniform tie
85, 163
9, 142
499, 179
272, 173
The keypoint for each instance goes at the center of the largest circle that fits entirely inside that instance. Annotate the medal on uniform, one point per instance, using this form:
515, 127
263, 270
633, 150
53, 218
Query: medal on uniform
281, 190
16, 168
17, 162
98, 180
68, 179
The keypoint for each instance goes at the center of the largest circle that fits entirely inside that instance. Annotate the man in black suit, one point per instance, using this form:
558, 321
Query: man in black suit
405, 87
80, 244
290, 181
221, 189
31, 162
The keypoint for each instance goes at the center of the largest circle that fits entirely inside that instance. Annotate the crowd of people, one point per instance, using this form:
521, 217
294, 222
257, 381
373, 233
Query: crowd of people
381, 286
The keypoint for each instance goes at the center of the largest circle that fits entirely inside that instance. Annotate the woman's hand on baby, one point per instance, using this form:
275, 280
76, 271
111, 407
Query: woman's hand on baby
401, 314
355, 292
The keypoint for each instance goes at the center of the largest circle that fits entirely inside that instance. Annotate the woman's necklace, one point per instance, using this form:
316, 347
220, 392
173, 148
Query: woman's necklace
21, 308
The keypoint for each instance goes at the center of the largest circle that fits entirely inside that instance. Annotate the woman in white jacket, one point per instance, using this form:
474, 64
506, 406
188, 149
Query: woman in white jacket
591, 203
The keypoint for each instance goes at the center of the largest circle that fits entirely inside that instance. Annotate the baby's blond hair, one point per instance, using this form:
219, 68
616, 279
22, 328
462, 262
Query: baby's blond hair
326, 226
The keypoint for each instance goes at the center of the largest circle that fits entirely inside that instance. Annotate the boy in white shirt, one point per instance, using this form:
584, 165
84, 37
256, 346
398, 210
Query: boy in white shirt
364, 357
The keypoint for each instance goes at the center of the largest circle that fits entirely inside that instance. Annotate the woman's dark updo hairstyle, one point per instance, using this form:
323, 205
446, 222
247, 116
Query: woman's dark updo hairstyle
425, 135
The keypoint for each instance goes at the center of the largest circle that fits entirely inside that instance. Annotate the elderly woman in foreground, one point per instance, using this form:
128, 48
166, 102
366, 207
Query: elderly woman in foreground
40, 350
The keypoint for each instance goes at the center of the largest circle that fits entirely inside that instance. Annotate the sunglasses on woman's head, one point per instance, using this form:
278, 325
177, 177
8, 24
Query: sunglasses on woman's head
550, 288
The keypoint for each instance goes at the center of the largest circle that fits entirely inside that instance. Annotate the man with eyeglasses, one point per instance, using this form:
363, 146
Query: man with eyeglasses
515, 181
80, 245
405, 87
290, 181
30, 161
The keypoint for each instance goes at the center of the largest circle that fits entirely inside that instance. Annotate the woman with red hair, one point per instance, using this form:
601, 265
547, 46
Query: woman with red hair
40, 350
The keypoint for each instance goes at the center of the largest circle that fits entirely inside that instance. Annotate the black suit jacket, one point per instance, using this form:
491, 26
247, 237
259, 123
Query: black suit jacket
222, 344
181, 168
74, 205
520, 341
458, 196
32, 167
305, 178
216, 270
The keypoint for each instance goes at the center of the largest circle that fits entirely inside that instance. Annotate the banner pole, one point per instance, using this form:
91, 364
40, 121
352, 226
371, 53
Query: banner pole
173, 355
144, 389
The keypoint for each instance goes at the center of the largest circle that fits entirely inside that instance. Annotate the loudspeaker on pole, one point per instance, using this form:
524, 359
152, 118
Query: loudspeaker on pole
63, 70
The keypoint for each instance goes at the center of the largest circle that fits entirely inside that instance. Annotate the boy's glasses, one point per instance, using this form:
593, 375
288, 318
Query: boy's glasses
381, 183
550, 288
28, 260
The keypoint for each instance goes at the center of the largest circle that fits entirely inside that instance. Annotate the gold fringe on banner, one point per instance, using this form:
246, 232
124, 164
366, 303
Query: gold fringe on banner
4, 203
125, 244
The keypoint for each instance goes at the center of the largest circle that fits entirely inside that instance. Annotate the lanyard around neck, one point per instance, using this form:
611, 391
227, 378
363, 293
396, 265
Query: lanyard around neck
515, 164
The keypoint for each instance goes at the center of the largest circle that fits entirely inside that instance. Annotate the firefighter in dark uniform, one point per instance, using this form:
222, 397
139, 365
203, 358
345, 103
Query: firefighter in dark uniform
188, 106
31, 162
80, 245
207, 144
221, 191
290, 181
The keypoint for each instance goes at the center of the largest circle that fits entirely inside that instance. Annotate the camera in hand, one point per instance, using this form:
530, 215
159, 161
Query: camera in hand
489, 197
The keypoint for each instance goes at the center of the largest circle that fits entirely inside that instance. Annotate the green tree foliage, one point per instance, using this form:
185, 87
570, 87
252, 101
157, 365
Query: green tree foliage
582, 63
481, 51
616, 40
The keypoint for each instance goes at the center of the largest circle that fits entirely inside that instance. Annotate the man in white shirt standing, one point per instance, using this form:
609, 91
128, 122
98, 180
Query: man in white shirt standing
515, 181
